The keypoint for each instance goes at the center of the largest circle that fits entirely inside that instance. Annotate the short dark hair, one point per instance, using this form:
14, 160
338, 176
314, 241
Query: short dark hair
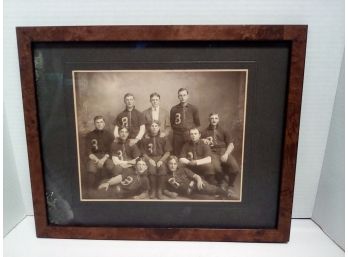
173, 157
128, 94
98, 117
195, 128
123, 127
213, 113
155, 121
183, 89
155, 94
148, 127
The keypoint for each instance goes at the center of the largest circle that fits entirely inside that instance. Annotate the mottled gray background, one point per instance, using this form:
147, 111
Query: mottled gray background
101, 93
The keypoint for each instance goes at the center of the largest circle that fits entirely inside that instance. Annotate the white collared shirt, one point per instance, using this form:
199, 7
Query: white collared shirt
155, 113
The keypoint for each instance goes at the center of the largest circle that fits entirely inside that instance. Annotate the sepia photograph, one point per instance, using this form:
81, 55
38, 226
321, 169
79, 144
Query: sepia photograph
160, 135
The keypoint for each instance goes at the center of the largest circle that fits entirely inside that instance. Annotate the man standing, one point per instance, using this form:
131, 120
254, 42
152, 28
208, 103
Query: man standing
196, 155
132, 119
98, 144
156, 113
221, 144
183, 117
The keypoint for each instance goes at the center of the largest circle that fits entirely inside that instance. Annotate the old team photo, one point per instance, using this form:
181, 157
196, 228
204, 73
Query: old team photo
160, 135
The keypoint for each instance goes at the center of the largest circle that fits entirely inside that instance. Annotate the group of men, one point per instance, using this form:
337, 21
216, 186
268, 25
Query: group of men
156, 154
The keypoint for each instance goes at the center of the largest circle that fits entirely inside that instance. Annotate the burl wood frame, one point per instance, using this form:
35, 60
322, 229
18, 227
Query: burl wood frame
295, 34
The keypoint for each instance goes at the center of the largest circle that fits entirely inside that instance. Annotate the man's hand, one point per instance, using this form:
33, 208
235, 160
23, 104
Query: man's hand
159, 164
152, 162
93, 158
162, 134
205, 141
124, 164
133, 142
100, 163
104, 186
200, 184
224, 157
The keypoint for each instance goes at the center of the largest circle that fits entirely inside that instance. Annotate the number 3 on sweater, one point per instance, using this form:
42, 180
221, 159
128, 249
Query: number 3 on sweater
177, 118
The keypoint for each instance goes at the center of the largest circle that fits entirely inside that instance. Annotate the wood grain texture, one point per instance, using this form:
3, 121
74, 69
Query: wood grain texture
32, 130
296, 34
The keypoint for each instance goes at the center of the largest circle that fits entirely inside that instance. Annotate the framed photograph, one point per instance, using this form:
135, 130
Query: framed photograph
163, 132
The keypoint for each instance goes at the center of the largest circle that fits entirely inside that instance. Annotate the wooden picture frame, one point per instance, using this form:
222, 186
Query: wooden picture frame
292, 35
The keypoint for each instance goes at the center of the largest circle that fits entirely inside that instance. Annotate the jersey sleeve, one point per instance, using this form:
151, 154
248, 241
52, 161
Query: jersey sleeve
204, 134
227, 138
135, 152
189, 173
141, 118
142, 146
206, 150
113, 149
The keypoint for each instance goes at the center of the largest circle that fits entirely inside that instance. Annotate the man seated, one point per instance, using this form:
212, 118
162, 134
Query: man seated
196, 156
156, 150
123, 154
221, 145
98, 144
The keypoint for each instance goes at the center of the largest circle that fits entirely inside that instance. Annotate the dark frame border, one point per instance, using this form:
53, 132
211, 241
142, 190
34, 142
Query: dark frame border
296, 34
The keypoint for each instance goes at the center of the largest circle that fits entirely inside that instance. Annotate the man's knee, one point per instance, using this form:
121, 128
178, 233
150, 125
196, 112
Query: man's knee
207, 169
232, 165
109, 165
117, 170
209, 187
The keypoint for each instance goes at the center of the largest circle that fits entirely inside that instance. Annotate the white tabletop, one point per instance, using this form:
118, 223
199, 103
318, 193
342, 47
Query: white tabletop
306, 239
